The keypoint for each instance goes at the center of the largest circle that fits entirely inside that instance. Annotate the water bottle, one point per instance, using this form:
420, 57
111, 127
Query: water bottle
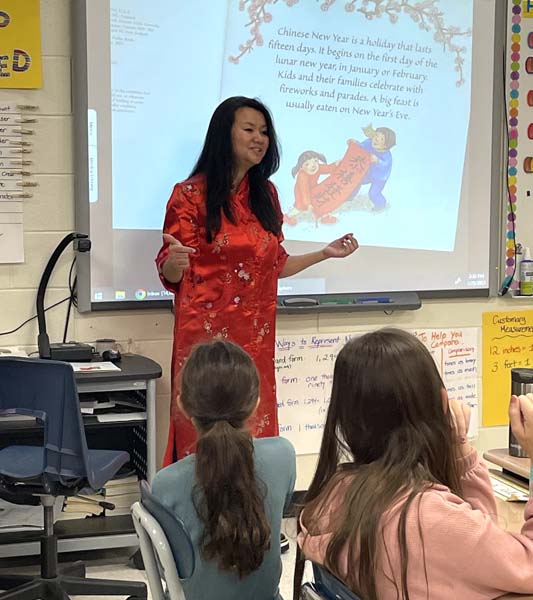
521, 383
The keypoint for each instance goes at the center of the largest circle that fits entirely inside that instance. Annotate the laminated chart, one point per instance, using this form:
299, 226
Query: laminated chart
15, 148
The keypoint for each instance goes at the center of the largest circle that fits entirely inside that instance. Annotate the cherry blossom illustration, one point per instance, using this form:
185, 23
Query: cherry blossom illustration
427, 13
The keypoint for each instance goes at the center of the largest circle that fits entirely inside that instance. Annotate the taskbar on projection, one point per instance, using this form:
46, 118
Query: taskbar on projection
109, 298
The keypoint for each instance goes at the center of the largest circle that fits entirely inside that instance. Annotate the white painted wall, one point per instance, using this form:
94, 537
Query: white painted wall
50, 214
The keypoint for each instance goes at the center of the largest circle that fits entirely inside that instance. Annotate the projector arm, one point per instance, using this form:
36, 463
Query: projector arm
43, 342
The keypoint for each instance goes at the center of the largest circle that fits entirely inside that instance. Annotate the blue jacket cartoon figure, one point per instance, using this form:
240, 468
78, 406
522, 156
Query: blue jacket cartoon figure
378, 142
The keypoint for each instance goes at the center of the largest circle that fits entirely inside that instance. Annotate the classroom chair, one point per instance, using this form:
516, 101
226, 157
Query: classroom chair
167, 549
60, 466
325, 587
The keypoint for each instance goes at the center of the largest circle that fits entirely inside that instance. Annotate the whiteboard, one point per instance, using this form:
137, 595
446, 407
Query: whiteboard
430, 81
304, 374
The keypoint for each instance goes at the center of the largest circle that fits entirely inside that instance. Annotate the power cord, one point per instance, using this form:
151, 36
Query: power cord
72, 298
34, 317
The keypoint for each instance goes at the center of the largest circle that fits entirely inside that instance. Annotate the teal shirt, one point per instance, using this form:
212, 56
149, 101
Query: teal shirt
275, 465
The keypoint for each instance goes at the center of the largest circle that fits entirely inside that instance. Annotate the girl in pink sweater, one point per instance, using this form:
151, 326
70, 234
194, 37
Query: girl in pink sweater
401, 506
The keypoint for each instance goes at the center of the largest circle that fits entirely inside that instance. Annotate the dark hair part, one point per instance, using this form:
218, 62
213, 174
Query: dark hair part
304, 156
216, 162
387, 415
219, 391
390, 136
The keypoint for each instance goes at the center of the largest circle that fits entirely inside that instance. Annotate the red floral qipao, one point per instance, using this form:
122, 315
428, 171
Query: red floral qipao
229, 291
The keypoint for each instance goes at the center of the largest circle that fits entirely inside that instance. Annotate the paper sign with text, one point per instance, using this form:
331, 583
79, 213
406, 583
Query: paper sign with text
507, 344
304, 375
20, 44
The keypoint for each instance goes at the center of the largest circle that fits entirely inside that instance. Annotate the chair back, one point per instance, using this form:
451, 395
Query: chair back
180, 542
47, 390
166, 547
326, 587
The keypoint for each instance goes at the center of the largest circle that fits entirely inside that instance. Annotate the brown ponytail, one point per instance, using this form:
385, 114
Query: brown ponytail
219, 392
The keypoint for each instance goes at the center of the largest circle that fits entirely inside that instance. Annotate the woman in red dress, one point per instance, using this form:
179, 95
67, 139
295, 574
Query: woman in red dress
222, 255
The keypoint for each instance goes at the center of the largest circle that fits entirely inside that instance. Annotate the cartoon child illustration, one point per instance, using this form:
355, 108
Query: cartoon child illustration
308, 169
378, 142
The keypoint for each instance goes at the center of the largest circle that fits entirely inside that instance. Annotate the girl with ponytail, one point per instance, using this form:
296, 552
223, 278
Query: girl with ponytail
230, 494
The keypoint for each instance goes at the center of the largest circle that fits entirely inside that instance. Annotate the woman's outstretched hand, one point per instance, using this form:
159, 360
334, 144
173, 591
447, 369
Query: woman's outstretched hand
341, 247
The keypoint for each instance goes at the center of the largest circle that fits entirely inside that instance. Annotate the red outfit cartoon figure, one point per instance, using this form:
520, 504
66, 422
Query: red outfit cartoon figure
308, 169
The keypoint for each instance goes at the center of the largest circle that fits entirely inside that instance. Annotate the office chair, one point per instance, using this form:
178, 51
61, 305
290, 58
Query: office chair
166, 547
325, 587
60, 466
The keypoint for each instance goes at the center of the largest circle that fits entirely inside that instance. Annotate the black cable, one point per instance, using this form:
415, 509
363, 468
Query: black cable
67, 319
73, 286
34, 317
72, 298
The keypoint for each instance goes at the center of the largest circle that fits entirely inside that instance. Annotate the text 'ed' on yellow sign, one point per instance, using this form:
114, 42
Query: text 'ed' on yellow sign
20, 44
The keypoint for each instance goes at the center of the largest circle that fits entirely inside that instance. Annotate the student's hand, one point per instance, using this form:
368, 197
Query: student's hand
373, 158
342, 247
460, 413
521, 417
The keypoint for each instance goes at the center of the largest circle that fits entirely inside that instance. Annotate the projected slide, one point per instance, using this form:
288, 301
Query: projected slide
371, 105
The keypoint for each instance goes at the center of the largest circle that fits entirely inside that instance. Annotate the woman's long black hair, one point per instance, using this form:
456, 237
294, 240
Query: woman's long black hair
217, 163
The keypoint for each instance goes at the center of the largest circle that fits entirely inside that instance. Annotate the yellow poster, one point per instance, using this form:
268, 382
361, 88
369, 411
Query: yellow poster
20, 44
527, 8
507, 344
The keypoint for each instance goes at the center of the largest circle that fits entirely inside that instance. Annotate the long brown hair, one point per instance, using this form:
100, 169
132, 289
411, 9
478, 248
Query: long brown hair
219, 391
387, 416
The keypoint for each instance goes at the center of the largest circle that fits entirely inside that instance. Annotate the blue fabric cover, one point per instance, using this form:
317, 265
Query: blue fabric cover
178, 538
47, 390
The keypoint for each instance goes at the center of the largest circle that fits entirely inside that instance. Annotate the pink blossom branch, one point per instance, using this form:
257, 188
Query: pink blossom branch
426, 13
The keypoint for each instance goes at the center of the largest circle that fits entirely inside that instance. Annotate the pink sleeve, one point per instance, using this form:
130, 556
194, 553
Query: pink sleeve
180, 217
471, 546
477, 489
